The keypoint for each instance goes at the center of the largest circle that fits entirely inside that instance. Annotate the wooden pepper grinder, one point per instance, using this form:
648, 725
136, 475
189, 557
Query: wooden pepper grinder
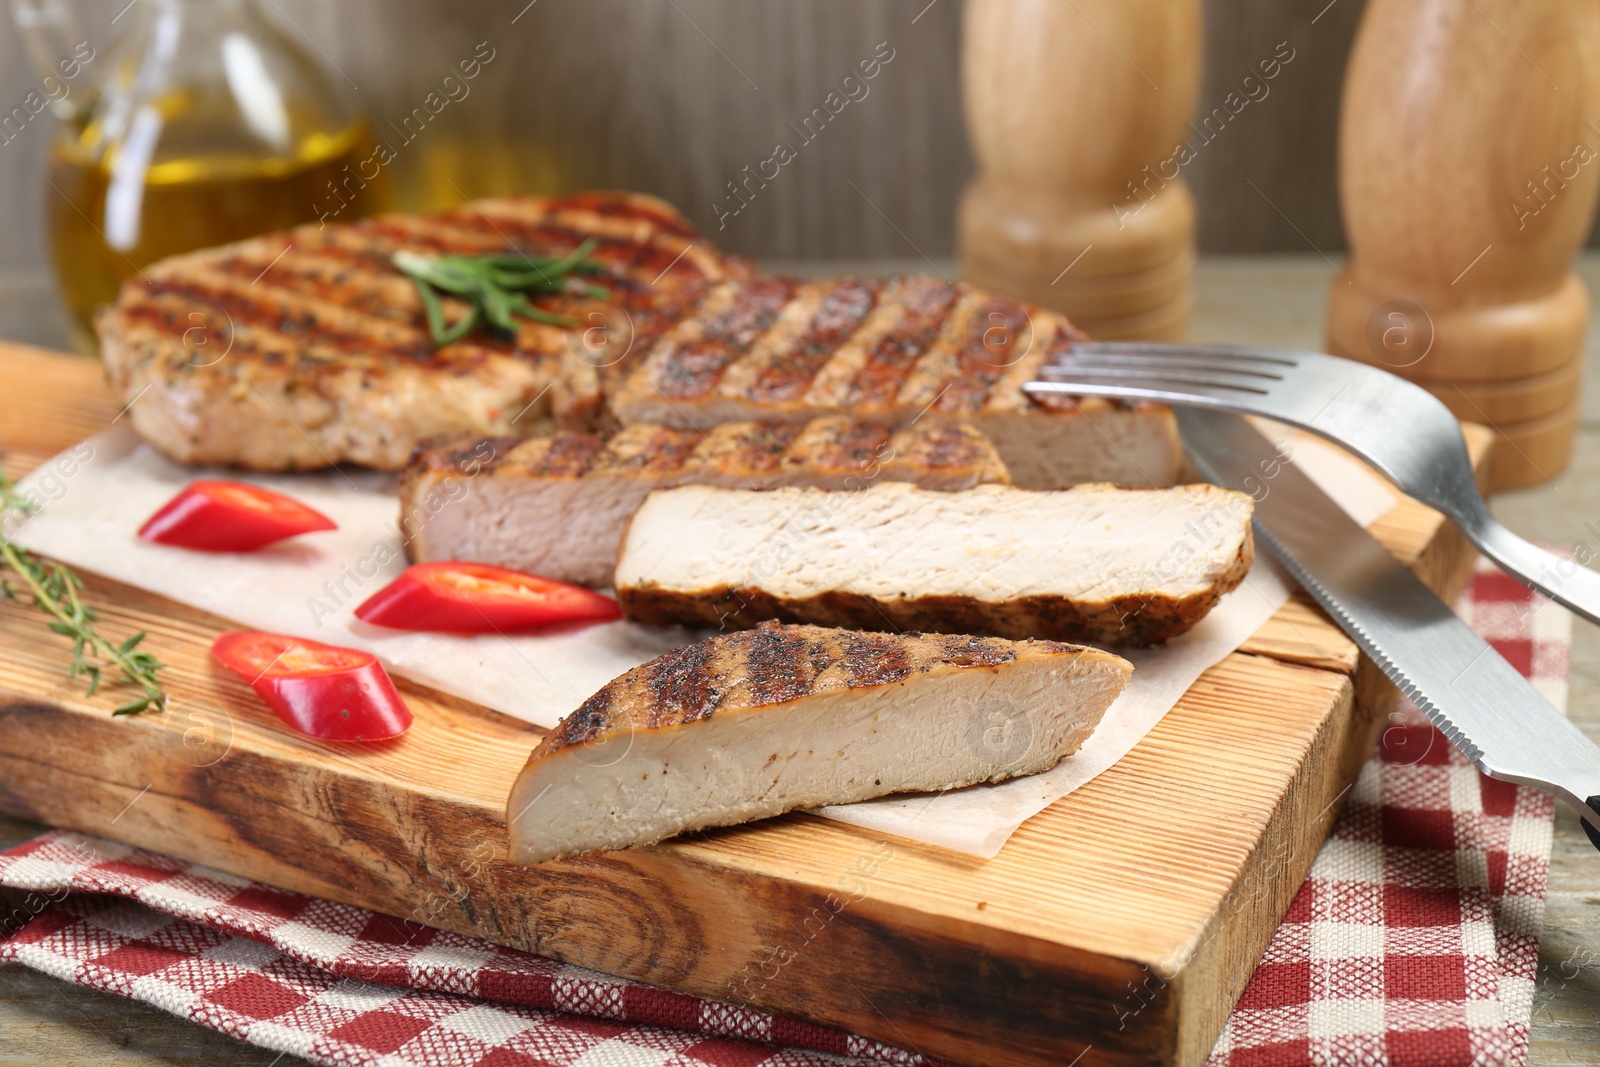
1075, 111
1469, 161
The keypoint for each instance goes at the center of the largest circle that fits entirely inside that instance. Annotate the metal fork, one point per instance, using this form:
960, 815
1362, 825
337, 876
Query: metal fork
1397, 427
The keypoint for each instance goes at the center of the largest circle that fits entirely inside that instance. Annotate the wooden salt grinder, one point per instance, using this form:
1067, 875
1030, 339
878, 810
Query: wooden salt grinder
1469, 160
1071, 109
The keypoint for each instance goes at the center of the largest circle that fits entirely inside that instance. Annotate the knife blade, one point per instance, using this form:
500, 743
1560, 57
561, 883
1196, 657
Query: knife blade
1464, 687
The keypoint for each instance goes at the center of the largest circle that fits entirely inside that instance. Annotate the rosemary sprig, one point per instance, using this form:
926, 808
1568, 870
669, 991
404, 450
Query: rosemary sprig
493, 286
55, 590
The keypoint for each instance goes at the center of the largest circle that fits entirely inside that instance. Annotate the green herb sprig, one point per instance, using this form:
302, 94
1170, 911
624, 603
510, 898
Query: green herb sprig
494, 286
55, 590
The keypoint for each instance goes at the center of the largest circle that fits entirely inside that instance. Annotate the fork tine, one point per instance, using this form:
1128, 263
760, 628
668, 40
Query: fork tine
1149, 380
1195, 375
1233, 353
1073, 361
1202, 395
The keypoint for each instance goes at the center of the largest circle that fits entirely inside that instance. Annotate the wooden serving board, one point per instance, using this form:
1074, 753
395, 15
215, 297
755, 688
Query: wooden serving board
1116, 927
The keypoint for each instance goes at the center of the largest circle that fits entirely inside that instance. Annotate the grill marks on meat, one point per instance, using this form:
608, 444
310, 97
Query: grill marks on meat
839, 314
891, 351
833, 449
782, 665
592, 716
774, 664
328, 275
327, 357
998, 335
724, 333
568, 455
681, 686
873, 660
556, 505
325, 330
825, 449
316, 350
749, 450
927, 306
648, 450
747, 725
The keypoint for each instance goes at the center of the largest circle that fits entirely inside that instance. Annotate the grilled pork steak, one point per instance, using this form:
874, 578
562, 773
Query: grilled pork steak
747, 725
892, 350
1092, 563
306, 348
556, 505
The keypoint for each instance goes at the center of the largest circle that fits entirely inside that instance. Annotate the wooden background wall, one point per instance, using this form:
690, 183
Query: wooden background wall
676, 96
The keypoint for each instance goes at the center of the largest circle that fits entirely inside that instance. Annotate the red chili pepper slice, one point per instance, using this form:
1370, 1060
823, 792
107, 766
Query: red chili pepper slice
221, 516
476, 598
339, 694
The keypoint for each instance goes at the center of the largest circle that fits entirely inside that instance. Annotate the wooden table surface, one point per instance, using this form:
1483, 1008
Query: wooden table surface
1254, 300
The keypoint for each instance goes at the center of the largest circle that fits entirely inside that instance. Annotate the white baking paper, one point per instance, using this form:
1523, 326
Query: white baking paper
95, 496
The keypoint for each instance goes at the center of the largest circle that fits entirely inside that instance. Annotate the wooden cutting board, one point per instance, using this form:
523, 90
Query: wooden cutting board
1116, 927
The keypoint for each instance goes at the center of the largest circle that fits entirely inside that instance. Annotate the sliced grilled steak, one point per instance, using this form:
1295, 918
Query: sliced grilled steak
1093, 563
307, 348
747, 725
892, 350
556, 505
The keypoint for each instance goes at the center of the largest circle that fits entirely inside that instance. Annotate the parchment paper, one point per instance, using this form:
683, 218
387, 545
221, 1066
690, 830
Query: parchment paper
95, 496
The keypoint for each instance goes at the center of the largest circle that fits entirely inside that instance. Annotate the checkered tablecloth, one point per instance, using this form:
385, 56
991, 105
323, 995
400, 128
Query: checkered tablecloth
1413, 943
341, 986
1415, 940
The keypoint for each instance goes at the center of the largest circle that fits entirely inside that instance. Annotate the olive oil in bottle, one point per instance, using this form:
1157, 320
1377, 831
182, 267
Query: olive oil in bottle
210, 125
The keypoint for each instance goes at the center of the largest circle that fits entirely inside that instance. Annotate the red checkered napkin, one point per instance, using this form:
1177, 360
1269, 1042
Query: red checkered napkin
340, 985
1415, 940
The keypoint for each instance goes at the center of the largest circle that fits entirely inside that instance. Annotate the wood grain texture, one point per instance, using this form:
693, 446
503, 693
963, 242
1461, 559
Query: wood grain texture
1478, 239
1518, 400
1069, 109
1177, 864
1461, 265
1534, 452
629, 93
417, 831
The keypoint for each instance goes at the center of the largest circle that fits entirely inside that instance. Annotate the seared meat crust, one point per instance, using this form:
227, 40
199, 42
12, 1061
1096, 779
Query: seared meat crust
772, 664
556, 504
891, 351
307, 348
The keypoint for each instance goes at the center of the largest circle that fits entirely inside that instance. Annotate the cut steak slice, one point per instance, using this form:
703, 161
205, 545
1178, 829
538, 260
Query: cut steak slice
1093, 563
556, 505
748, 725
892, 350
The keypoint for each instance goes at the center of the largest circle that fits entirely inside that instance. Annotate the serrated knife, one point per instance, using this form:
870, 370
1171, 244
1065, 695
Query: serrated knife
1465, 688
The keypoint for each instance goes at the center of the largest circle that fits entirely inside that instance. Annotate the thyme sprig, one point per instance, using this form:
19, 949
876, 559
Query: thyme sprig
493, 286
56, 591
